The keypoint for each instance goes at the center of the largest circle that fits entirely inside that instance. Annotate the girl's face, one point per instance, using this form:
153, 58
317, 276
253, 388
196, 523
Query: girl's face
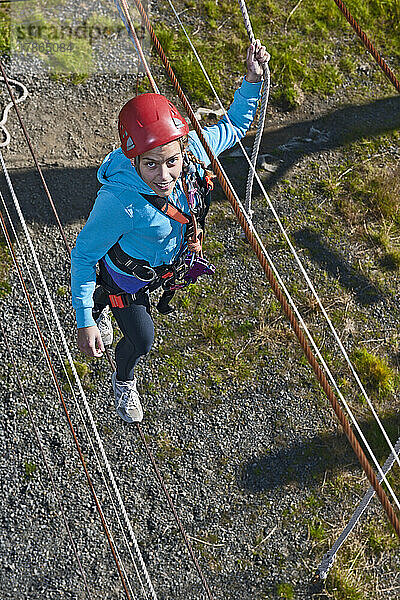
161, 167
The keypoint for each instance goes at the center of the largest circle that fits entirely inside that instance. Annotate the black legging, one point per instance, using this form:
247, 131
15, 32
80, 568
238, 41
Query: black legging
137, 327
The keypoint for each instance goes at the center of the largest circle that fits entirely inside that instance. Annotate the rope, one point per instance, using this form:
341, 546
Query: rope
149, 453
63, 366
187, 542
61, 397
43, 453
308, 281
263, 112
123, 10
28, 141
4, 118
259, 251
76, 377
369, 45
329, 557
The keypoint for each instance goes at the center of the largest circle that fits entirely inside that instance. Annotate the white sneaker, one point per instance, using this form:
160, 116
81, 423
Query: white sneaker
127, 400
105, 327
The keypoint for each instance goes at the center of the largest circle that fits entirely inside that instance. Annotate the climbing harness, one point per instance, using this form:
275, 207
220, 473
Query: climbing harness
189, 263
4, 118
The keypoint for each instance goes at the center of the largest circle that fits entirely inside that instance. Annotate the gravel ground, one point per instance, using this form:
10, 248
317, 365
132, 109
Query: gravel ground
240, 465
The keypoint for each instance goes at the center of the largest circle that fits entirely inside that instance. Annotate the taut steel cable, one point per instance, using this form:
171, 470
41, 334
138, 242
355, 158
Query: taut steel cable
368, 44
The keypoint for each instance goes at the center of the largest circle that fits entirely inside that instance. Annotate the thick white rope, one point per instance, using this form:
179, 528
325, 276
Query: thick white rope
329, 557
77, 406
263, 112
4, 118
78, 382
53, 376
279, 279
292, 249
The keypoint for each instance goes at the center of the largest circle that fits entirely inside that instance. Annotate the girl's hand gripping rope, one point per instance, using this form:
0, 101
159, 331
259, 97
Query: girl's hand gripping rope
257, 59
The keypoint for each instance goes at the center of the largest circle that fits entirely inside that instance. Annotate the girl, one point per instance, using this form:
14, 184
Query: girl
145, 227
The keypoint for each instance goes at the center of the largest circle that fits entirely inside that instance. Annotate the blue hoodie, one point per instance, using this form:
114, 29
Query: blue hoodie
120, 210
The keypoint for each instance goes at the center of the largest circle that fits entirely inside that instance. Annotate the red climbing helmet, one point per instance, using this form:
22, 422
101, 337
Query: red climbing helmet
148, 121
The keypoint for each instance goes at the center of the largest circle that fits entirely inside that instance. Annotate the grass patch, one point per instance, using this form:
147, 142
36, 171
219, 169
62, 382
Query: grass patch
303, 45
378, 190
5, 267
166, 450
65, 47
381, 538
367, 190
386, 237
316, 530
343, 585
74, 66
61, 291
366, 193
185, 64
374, 372
285, 590
5, 35
351, 577
83, 371
29, 470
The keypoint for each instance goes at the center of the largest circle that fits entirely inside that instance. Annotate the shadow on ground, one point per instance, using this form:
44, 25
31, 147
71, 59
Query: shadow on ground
73, 192
309, 460
329, 132
333, 263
